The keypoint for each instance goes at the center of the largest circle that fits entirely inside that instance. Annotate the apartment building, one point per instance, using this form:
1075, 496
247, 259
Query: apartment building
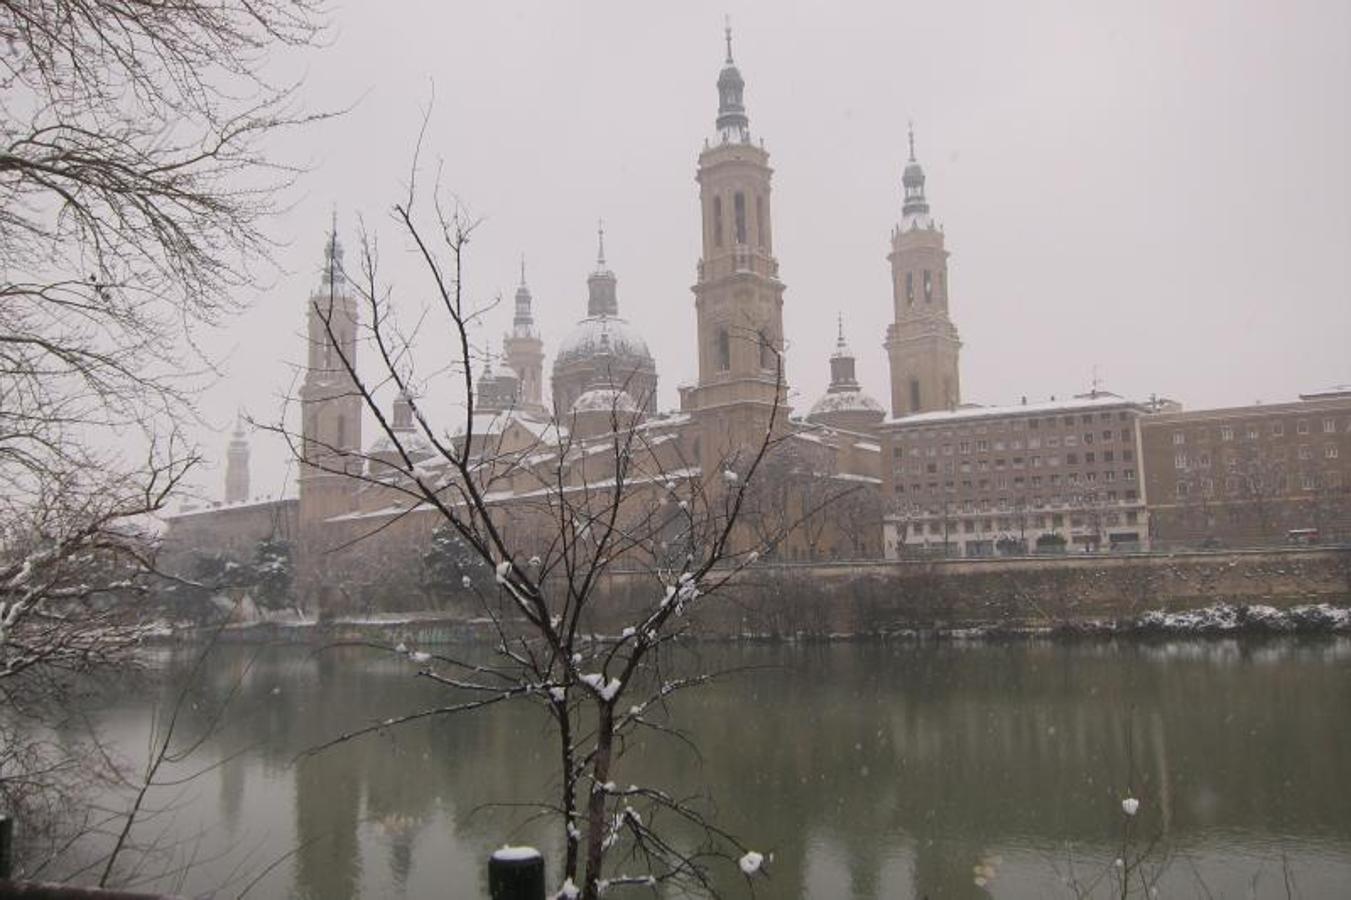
1056, 476
1251, 475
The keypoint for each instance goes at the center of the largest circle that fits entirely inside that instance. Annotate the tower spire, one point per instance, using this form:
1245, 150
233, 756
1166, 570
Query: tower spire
522, 270
733, 125
915, 209
600, 243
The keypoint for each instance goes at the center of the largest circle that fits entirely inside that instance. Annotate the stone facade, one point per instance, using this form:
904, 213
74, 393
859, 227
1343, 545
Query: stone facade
1251, 475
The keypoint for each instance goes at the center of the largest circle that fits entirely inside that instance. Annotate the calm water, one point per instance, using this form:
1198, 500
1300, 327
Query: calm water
903, 770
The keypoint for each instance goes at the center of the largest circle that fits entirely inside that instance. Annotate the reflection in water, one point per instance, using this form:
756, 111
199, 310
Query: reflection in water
899, 770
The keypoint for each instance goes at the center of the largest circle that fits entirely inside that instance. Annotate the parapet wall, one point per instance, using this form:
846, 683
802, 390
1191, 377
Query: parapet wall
1072, 591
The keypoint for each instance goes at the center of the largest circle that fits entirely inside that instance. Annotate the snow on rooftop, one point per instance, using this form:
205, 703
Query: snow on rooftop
1100, 400
257, 502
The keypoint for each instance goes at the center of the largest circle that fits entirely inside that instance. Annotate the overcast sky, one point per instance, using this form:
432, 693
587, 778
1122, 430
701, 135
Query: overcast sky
1160, 190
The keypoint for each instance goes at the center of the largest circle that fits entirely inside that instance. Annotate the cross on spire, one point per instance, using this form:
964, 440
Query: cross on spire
912, 140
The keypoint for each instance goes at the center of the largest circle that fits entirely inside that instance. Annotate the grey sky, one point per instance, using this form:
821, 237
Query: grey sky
1158, 189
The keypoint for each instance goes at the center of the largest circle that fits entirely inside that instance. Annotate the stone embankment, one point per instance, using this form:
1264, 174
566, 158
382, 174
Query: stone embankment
1303, 589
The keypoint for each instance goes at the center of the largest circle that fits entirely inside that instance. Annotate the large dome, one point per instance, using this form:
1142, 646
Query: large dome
626, 346
845, 401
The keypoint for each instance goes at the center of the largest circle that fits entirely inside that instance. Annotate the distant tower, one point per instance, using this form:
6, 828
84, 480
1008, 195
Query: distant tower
922, 342
524, 352
330, 404
237, 465
738, 298
845, 405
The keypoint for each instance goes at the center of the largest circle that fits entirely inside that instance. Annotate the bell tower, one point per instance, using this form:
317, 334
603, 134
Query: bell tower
237, 465
738, 296
524, 351
922, 343
330, 403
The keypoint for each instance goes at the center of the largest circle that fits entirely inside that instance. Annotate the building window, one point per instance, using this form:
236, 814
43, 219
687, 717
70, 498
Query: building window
1179, 438
1330, 451
1277, 429
760, 221
1108, 456
1227, 433
1333, 479
1302, 426
1071, 459
739, 211
1329, 426
909, 288
1305, 452
1308, 482
1128, 474
724, 350
767, 355
717, 221
1253, 433
928, 287
1089, 458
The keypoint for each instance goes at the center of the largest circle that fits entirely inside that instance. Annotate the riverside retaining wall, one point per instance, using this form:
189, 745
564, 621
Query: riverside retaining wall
864, 599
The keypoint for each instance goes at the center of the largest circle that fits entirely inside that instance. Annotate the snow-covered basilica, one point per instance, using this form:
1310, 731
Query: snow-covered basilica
603, 375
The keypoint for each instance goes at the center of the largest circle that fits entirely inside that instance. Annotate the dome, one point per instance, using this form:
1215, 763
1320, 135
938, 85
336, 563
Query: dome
415, 442
626, 346
605, 400
845, 401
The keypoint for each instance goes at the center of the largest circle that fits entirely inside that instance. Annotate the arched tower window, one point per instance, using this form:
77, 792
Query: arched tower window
724, 350
914, 395
928, 287
909, 287
766, 351
717, 221
739, 205
760, 222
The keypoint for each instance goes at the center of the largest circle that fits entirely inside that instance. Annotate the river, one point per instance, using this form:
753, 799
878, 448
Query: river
940, 769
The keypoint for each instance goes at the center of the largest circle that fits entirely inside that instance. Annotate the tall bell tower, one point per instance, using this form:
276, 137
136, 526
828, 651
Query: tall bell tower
330, 403
738, 297
922, 343
524, 351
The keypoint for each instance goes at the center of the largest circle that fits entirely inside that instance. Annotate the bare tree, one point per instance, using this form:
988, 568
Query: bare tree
134, 188
597, 493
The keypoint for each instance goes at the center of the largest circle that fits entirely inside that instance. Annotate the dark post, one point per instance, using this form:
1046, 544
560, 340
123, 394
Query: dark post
516, 873
6, 846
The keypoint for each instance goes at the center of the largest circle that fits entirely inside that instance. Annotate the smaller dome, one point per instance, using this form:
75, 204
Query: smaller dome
845, 401
414, 442
603, 399
914, 174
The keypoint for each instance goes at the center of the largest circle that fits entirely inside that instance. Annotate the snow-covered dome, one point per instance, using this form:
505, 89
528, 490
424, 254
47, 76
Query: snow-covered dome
845, 401
415, 442
605, 399
626, 346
